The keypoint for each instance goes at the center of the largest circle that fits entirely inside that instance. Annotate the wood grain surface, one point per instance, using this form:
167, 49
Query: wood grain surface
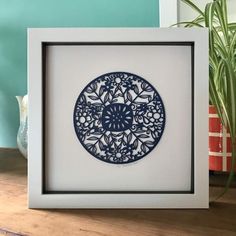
17, 219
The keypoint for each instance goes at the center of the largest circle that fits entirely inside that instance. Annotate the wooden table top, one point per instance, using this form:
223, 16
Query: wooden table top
17, 219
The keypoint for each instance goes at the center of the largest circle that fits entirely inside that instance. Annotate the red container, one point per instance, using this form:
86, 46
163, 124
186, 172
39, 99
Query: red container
219, 143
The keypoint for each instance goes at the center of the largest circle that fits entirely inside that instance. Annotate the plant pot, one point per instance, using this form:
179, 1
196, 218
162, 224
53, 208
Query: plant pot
219, 143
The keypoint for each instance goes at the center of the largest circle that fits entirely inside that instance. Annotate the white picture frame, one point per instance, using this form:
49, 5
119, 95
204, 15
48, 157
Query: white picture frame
196, 197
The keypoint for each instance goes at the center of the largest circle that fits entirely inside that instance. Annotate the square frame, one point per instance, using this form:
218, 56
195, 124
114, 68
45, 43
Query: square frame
197, 197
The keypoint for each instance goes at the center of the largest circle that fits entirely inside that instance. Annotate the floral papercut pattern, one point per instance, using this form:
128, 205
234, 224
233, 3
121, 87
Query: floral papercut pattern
119, 117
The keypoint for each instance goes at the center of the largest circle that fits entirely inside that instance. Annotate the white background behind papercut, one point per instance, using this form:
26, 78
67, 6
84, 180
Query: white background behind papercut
72, 168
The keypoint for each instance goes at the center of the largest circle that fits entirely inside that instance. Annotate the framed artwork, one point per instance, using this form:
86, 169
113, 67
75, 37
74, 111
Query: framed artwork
118, 118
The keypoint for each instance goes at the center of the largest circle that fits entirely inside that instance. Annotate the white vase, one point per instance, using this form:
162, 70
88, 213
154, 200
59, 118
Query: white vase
22, 135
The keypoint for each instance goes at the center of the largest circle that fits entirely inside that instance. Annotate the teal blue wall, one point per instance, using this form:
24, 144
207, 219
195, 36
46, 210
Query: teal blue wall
17, 15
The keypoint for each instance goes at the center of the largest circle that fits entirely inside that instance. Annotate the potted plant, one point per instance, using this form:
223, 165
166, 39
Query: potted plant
222, 67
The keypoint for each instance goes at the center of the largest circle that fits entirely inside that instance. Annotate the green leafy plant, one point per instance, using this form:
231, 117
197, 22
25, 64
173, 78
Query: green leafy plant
222, 65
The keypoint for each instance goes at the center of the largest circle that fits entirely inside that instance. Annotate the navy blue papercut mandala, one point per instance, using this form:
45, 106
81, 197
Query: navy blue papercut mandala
119, 117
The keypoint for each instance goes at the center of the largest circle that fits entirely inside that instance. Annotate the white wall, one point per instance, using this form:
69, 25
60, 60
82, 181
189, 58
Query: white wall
186, 13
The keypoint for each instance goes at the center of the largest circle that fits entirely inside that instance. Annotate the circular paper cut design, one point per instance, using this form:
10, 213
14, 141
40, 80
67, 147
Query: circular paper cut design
119, 117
